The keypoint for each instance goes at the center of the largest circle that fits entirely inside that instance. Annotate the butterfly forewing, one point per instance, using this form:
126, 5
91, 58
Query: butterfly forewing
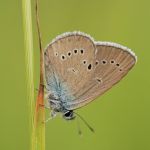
112, 62
66, 63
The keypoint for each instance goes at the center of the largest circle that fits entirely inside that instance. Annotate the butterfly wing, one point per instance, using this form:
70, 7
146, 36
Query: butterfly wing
65, 64
112, 62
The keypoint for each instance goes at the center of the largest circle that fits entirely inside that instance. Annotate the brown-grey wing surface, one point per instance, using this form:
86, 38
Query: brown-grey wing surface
65, 63
112, 62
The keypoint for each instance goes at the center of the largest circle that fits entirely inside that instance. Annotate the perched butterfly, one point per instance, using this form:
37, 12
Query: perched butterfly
78, 70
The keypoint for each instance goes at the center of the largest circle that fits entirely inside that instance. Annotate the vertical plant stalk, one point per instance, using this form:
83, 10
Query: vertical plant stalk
28, 40
36, 114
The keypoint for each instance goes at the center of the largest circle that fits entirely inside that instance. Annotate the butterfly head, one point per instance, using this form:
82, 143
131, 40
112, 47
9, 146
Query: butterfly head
69, 115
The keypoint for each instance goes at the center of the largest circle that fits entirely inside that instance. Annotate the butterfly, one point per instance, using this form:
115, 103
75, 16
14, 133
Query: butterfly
79, 69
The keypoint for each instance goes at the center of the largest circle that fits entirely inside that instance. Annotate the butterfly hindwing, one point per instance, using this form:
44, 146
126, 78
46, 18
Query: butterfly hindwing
112, 62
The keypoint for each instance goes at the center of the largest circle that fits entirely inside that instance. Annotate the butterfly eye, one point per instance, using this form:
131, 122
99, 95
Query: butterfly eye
68, 115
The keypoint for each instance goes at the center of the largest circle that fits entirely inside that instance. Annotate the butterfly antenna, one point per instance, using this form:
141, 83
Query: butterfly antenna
79, 129
91, 129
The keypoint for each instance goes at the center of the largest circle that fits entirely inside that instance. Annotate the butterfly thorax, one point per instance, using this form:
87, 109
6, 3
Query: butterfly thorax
56, 105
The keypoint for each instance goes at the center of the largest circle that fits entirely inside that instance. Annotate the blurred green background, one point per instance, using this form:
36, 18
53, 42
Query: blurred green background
121, 118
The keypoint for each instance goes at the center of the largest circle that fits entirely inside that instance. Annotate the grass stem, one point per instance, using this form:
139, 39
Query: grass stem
37, 113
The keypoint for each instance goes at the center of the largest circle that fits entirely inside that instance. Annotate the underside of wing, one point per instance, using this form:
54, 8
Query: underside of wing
67, 64
112, 62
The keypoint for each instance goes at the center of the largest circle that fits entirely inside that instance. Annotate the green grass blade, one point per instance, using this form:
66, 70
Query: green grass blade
28, 38
36, 114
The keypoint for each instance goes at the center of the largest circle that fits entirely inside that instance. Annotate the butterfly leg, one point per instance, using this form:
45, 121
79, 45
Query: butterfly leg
47, 119
52, 115
78, 127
